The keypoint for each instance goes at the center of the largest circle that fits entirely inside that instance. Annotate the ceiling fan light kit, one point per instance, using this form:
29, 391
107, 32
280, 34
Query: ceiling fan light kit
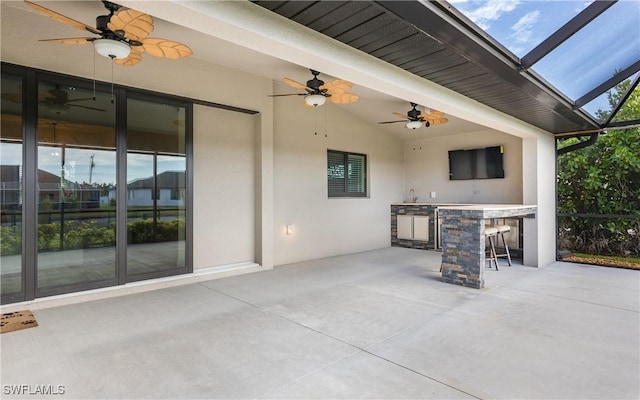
112, 48
315, 100
413, 124
415, 119
123, 35
316, 92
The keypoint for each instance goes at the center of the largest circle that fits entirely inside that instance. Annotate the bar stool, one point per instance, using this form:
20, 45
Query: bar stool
502, 229
491, 234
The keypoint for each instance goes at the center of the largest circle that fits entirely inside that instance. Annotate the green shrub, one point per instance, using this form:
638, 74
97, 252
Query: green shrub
81, 235
10, 240
142, 231
48, 236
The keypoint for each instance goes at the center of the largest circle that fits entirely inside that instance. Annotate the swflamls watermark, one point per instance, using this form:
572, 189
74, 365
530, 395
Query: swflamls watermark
33, 390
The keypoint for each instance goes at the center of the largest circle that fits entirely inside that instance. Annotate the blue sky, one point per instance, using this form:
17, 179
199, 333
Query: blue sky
517, 24
609, 43
78, 163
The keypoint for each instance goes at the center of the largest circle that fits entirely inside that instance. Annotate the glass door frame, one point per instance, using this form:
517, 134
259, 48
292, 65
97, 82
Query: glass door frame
62, 80
121, 145
30, 78
29, 177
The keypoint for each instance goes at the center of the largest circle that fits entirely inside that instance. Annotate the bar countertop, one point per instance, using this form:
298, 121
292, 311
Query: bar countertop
482, 207
497, 207
485, 211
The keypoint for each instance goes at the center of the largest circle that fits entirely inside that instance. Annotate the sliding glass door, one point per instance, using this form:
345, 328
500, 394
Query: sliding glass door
11, 184
94, 185
156, 188
76, 178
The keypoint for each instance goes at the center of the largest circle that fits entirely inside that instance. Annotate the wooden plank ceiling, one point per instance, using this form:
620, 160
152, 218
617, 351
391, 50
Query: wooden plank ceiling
415, 38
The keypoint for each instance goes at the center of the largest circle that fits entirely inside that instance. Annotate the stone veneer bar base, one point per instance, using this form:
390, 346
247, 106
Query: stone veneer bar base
413, 209
463, 255
463, 240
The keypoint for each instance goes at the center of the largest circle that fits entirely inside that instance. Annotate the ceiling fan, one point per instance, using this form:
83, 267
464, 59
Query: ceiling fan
414, 118
58, 100
122, 35
55, 99
317, 92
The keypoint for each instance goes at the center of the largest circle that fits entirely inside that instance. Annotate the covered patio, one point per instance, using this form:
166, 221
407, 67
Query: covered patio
243, 120
375, 324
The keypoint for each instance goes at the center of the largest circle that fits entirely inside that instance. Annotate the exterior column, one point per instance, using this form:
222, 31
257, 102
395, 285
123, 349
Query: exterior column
539, 187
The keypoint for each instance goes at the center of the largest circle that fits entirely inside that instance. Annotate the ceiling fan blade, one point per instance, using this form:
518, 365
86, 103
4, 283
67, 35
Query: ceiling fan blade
55, 95
79, 40
344, 98
337, 87
134, 24
134, 58
403, 116
432, 114
437, 121
289, 94
295, 84
165, 48
62, 18
86, 107
44, 96
82, 99
391, 122
12, 97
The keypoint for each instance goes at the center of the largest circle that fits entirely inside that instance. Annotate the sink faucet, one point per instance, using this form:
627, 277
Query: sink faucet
412, 196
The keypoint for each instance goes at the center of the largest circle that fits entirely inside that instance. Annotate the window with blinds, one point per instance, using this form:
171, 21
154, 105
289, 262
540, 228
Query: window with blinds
346, 174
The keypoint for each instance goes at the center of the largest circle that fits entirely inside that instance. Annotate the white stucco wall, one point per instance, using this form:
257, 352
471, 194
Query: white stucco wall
224, 187
287, 174
255, 28
233, 199
323, 226
282, 196
427, 169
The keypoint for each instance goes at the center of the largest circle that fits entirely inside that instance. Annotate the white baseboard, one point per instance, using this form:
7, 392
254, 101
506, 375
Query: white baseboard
199, 275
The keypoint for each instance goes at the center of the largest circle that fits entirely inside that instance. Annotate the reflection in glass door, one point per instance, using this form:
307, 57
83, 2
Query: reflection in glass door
156, 189
93, 185
11, 181
76, 179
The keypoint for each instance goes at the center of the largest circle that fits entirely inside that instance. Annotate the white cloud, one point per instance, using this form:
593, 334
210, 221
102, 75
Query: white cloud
584, 5
523, 29
491, 11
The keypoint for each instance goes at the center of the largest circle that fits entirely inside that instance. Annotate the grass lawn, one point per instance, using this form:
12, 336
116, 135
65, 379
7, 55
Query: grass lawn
608, 261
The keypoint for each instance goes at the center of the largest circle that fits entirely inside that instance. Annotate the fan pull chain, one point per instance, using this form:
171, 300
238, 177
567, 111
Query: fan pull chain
325, 121
315, 120
94, 76
112, 57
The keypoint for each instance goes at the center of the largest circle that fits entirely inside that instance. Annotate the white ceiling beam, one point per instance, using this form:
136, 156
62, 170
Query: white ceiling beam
251, 26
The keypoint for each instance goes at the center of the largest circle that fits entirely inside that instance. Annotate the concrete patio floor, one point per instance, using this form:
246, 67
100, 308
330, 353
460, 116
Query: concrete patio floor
378, 324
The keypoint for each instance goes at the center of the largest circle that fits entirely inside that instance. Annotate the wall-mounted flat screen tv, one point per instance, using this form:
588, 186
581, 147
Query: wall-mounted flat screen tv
484, 163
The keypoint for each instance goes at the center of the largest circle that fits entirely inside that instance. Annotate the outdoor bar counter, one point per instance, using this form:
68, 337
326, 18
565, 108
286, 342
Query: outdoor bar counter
463, 239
